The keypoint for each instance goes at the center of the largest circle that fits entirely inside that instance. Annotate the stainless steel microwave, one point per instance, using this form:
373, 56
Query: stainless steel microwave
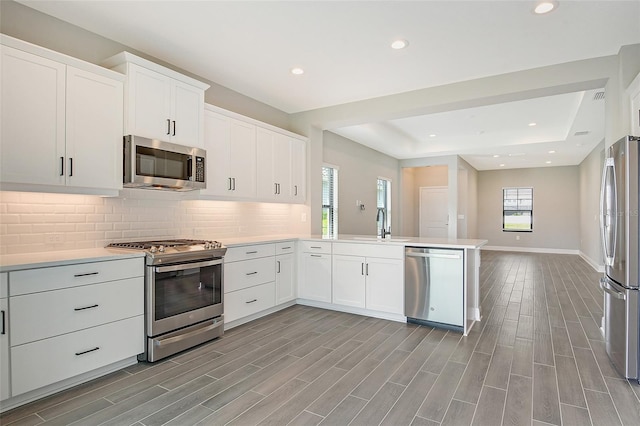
154, 164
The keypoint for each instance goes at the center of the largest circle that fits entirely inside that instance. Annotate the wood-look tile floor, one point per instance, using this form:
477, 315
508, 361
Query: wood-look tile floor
536, 358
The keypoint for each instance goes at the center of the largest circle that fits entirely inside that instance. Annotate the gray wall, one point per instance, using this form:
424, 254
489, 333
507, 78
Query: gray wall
556, 216
590, 171
360, 168
27, 24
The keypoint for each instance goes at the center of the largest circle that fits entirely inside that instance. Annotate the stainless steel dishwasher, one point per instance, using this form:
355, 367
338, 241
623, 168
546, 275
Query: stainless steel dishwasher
434, 287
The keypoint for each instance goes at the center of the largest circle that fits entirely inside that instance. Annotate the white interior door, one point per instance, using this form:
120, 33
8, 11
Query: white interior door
434, 212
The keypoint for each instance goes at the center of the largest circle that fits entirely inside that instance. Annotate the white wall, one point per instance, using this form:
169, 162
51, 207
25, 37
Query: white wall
29, 221
360, 168
421, 177
590, 171
556, 216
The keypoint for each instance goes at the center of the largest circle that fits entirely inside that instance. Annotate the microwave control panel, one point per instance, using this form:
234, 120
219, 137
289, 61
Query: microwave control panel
199, 169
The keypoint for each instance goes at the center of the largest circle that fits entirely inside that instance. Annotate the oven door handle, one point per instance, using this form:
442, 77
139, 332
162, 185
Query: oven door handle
184, 266
174, 339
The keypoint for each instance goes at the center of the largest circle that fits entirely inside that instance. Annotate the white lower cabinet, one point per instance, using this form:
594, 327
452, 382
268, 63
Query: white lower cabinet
374, 281
315, 280
285, 272
249, 301
73, 319
5, 392
47, 361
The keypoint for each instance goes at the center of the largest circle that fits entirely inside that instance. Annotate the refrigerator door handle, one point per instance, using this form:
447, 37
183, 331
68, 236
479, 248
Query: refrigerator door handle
607, 289
608, 212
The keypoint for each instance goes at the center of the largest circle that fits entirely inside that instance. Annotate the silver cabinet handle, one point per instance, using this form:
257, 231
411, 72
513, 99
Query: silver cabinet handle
86, 275
316, 255
84, 308
87, 351
234, 183
285, 248
61, 166
251, 273
251, 301
174, 128
367, 270
278, 263
295, 188
4, 324
70, 166
315, 247
230, 187
168, 126
251, 252
605, 287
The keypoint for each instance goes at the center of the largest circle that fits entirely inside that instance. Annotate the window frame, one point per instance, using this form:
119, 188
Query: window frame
517, 209
332, 214
387, 201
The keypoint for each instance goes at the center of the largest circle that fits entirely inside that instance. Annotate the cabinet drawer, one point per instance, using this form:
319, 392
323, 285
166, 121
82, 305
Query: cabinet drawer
44, 362
254, 251
239, 275
369, 250
57, 277
315, 247
51, 313
242, 303
285, 247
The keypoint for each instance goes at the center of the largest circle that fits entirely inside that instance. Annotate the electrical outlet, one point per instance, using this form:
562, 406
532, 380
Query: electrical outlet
303, 217
517, 237
54, 238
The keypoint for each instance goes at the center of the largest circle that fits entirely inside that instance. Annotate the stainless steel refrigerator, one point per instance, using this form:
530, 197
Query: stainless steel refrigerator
619, 226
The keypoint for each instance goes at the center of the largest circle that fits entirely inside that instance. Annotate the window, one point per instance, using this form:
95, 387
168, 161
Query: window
384, 204
517, 209
329, 201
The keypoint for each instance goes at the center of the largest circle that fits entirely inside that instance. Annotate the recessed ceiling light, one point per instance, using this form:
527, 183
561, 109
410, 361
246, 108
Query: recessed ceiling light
432, 135
297, 71
501, 165
399, 44
548, 162
532, 124
496, 156
552, 152
545, 7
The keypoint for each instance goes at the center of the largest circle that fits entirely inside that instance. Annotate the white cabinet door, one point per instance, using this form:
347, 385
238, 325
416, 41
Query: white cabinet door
188, 114
149, 103
349, 280
32, 119
298, 171
4, 348
385, 285
285, 284
94, 130
160, 107
231, 156
274, 165
315, 282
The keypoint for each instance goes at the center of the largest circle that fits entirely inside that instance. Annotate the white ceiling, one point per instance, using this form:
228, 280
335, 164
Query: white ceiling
344, 48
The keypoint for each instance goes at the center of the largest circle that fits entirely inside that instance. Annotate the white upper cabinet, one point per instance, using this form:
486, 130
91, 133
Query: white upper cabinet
61, 122
231, 156
160, 103
281, 167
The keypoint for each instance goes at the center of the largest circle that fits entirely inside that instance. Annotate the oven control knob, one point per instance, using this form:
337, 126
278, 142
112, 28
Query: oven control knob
216, 244
207, 245
153, 249
161, 249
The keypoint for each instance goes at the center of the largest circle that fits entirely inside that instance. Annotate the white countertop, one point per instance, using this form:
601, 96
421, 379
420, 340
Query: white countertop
16, 262
362, 239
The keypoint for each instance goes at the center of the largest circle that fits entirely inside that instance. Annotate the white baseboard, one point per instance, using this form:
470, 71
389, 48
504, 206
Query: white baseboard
532, 250
595, 265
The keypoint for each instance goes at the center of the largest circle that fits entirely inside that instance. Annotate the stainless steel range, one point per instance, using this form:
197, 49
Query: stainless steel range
183, 294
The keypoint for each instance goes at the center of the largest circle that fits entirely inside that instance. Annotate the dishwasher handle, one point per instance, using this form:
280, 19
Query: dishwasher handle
434, 255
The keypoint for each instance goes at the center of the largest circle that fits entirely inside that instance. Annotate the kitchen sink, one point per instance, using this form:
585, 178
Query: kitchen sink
382, 240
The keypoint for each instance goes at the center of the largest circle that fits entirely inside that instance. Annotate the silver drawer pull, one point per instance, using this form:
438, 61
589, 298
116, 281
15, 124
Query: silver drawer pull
286, 248
316, 255
86, 275
87, 351
251, 301
251, 273
86, 307
251, 252
315, 247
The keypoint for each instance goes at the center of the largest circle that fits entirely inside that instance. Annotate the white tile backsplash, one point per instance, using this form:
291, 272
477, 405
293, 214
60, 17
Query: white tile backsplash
35, 222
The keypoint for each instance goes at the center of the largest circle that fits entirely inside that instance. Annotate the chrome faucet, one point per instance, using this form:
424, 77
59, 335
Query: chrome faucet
383, 232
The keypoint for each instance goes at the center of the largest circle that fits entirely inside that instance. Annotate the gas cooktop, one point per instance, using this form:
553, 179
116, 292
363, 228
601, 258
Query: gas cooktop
170, 250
